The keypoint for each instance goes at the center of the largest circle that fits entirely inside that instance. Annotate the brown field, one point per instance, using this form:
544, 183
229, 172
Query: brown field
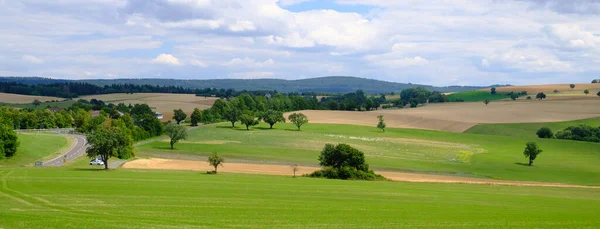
163, 103
24, 99
285, 170
459, 117
548, 88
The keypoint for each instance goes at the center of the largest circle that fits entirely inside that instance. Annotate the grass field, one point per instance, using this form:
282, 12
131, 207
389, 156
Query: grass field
547, 88
528, 130
475, 155
24, 99
476, 96
61, 104
68, 198
35, 147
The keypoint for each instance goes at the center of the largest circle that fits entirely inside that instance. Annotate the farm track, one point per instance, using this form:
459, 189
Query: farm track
285, 170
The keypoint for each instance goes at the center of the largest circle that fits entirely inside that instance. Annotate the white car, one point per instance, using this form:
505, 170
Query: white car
96, 161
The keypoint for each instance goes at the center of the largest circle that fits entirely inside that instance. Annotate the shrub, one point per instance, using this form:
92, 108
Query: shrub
580, 133
344, 162
545, 132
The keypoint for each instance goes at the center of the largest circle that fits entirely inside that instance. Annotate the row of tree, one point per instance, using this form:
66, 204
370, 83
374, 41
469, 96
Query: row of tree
582, 132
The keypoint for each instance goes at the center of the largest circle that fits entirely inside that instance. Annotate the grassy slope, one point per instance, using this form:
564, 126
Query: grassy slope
61, 104
528, 130
35, 147
67, 198
464, 154
476, 96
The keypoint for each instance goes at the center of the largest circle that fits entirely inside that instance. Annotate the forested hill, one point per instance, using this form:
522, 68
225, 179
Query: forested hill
331, 84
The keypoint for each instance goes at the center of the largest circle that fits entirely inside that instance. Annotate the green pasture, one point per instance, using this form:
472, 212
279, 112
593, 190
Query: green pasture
61, 104
464, 154
36, 147
528, 130
475, 96
77, 198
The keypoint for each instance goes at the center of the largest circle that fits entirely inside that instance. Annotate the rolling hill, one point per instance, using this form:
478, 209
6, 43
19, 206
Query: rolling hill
330, 84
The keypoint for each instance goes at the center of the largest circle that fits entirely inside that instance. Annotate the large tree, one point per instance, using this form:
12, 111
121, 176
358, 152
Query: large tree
248, 119
196, 117
272, 117
298, 119
532, 151
9, 141
179, 115
233, 115
175, 133
107, 142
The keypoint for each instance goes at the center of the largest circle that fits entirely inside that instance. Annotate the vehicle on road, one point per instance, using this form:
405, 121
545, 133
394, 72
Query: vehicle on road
96, 161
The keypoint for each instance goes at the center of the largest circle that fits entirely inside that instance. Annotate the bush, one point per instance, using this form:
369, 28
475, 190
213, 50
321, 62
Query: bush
344, 162
545, 132
580, 133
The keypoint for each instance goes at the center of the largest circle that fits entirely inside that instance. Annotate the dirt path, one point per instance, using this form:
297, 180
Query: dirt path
285, 170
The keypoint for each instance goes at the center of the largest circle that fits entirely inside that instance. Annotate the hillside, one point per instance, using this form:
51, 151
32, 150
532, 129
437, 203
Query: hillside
331, 84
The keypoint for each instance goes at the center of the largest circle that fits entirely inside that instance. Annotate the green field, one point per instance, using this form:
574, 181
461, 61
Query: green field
476, 96
528, 130
464, 154
70, 198
35, 147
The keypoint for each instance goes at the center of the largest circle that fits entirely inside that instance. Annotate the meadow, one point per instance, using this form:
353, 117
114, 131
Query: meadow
476, 96
528, 130
77, 198
423, 151
36, 147
24, 99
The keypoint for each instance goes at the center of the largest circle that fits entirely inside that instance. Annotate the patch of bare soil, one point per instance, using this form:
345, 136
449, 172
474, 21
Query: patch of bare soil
285, 170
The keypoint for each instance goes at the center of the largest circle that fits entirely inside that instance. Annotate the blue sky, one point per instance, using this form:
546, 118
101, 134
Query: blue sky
438, 42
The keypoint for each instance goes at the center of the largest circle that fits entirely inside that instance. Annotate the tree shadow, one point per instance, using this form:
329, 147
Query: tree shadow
90, 169
228, 127
523, 164
263, 128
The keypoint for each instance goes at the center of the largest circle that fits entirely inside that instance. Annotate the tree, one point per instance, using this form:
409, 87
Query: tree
37, 102
233, 115
179, 115
272, 117
342, 155
493, 91
572, 86
107, 142
532, 151
555, 91
545, 132
298, 119
9, 141
295, 168
487, 101
248, 119
540, 96
176, 133
514, 96
594, 81
215, 161
196, 117
598, 93
381, 124
369, 104
586, 91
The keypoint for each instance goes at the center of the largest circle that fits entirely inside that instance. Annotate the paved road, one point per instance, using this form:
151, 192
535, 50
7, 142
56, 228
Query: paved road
72, 154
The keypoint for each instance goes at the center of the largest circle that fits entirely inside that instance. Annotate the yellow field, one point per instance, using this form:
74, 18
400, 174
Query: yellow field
458, 117
163, 103
549, 88
24, 99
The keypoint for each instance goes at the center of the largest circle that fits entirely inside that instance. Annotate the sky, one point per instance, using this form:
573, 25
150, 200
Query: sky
435, 42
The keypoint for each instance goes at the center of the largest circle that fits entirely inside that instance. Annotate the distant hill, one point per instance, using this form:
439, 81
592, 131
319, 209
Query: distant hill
331, 84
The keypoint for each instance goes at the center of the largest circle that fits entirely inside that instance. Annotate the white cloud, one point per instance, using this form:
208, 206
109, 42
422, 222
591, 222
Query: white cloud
166, 59
32, 59
198, 63
249, 63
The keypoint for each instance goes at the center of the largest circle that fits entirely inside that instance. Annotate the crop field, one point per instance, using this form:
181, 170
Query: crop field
71, 198
24, 99
472, 155
547, 88
459, 117
163, 103
36, 147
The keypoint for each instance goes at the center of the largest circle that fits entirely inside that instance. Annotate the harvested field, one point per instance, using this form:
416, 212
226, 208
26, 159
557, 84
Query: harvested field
285, 170
458, 117
163, 103
547, 88
24, 99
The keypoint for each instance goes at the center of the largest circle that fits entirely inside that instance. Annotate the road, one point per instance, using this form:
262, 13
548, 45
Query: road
76, 151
